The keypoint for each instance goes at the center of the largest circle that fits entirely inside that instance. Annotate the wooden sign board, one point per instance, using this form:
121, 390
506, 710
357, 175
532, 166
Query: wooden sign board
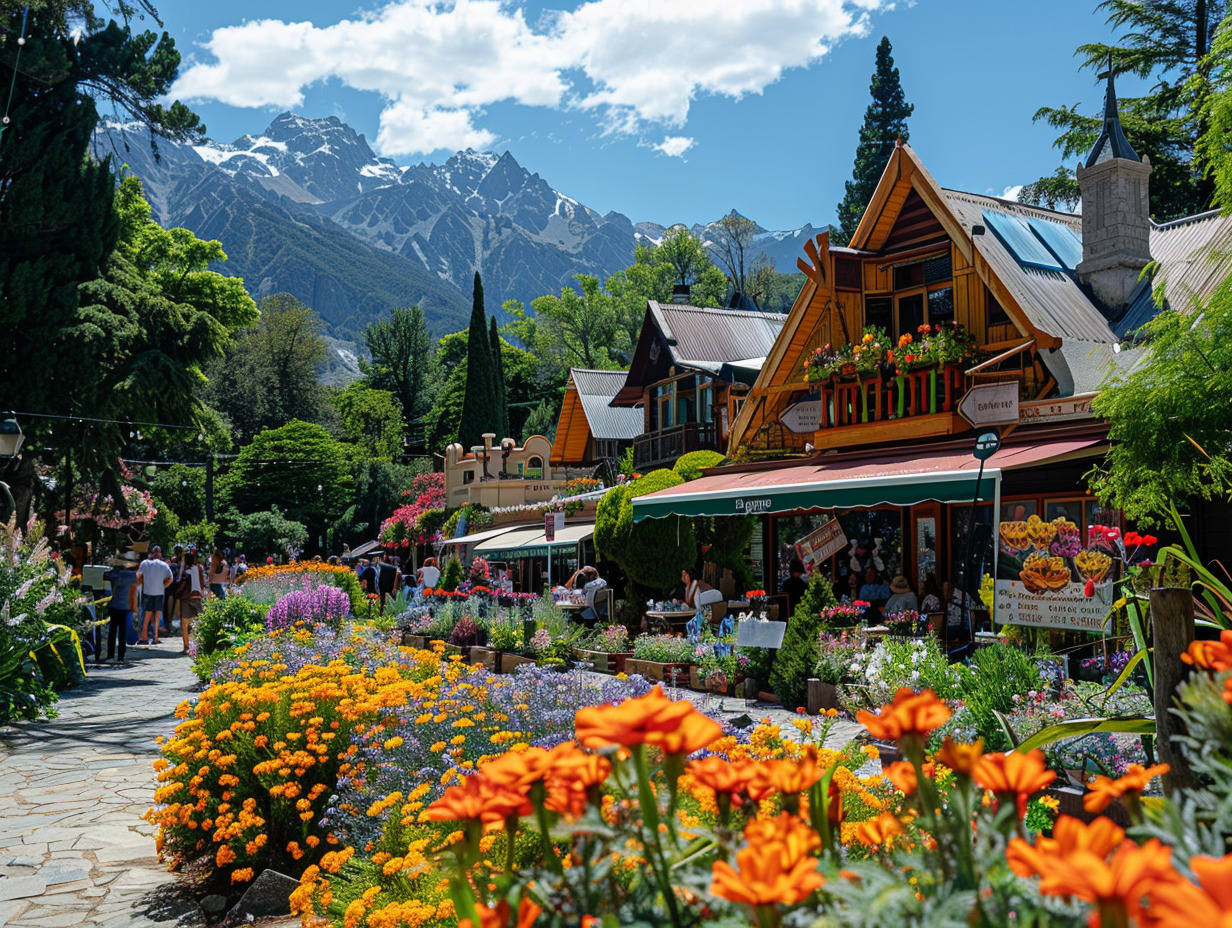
990, 404
1058, 410
754, 633
803, 418
821, 544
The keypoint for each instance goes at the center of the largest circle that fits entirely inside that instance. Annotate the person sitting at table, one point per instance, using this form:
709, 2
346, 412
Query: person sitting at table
429, 575
697, 592
580, 577
930, 595
902, 598
875, 590
592, 583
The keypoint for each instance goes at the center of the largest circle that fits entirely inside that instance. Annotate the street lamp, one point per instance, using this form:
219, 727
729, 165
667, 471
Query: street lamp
985, 447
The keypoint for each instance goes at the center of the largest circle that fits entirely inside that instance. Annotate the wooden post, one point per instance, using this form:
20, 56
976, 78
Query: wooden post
813, 696
1172, 628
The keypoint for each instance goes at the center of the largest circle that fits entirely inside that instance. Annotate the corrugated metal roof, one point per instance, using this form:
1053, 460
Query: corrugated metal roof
707, 338
1050, 298
596, 390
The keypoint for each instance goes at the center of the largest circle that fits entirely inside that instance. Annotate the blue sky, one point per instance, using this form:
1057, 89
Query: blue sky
664, 110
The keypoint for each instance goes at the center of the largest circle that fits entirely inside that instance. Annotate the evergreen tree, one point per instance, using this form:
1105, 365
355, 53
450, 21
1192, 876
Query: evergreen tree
401, 352
479, 404
795, 660
885, 121
498, 381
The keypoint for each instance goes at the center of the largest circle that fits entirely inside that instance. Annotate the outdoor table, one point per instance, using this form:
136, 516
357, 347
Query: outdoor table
668, 618
984, 639
877, 631
572, 610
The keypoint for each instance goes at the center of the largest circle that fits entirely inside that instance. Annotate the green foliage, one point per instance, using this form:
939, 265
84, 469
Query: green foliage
268, 533
1171, 417
794, 662
477, 517
652, 552
378, 488
372, 420
200, 534
690, 466
182, 488
453, 574
269, 376
502, 408
401, 352
480, 405
284, 467
1059, 191
885, 122
995, 679
577, 329
728, 538
164, 530
224, 624
541, 422
686, 257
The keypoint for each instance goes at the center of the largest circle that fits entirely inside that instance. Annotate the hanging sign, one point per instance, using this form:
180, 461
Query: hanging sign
1062, 409
803, 417
1067, 607
553, 522
990, 404
821, 544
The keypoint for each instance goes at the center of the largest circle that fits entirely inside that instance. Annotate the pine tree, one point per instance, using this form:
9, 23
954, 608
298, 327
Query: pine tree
498, 380
885, 122
479, 413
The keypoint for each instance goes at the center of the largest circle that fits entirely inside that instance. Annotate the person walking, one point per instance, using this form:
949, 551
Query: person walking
176, 591
190, 605
219, 575
153, 578
386, 578
123, 580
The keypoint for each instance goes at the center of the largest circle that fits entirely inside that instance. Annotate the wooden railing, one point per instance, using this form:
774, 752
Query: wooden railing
666, 445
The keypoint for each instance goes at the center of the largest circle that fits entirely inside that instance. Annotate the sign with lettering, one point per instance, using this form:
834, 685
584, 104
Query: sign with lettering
1062, 409
803, 417
821, 544
553, 522
990, 404
754, 633
1067, 607
753, 506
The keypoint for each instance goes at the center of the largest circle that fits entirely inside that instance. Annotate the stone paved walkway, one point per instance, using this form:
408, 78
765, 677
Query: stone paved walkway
73, 847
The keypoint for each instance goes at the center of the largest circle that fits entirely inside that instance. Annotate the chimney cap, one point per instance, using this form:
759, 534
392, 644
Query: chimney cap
681, 293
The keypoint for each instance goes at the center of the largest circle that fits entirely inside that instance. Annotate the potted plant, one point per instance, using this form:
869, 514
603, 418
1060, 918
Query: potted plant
607, 649
904, 624
715, 670
821, 364
869, 355
465, 635
661, 657
416, 631
835, 657
504, 637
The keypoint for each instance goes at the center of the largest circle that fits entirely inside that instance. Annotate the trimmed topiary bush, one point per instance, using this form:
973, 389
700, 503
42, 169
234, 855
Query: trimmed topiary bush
690, 466
453, 574
653, 552
794, 662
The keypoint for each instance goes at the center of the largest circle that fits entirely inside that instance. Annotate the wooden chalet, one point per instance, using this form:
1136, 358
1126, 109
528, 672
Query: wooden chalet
867, 475
590, 432
690, 372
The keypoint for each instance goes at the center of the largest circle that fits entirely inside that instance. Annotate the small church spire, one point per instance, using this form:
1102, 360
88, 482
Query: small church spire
1112, 142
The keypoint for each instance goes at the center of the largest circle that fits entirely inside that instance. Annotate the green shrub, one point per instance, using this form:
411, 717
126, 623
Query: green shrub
164, 529
200, 535
453, 574
690, 466
794, 663
665, 649
224, 622
989, 684
652, 552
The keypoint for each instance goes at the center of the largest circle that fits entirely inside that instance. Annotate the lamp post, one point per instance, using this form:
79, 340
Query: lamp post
985, 447
11, 440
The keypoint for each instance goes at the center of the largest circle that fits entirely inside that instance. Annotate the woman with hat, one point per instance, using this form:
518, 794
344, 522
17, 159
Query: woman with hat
902, 598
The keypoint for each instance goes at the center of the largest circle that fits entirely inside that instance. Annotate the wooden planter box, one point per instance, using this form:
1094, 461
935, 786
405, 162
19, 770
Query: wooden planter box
891, 754
653, 670
486, 658
414, 641
821, 696
1070, 799
463, 650
509, 661
604, 661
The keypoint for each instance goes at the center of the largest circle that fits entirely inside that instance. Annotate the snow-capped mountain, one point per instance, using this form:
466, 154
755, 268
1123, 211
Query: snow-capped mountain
308, 208
782, 247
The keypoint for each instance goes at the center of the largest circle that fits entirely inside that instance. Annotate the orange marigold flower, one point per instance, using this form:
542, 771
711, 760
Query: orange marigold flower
1211, 655
478, 798
1135, 782
785, 834
902, 774
501, 915
774, 868
1209, 905
961, 758
638, 721
1014, 774
909, 714
518, 768
694, 732
720, 775
878, 831
1070, 837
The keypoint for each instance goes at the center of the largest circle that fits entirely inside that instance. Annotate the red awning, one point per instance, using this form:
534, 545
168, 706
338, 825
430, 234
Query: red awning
848, 483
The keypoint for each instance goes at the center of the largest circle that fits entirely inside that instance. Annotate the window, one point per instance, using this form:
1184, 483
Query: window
910, 314
879, 311
468, 476
941, 305
907, 276
938, 269
705, 402
996, 312
665, 408
534, 468
847, 274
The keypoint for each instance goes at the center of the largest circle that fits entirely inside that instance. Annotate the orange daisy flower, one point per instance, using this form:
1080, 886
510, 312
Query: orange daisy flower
879, 831
1183, 904
1070, 837
478, 798
776, 867
631, 722
1014, 774
721, 775
1135, 782
902, 774
909, 714
501, 915
961, 758
1211, 655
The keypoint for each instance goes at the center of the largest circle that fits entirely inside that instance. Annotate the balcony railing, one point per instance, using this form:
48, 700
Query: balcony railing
666, 445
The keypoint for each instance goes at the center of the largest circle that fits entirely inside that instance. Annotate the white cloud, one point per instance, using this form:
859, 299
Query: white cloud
437, 65
1011, 192
674, 146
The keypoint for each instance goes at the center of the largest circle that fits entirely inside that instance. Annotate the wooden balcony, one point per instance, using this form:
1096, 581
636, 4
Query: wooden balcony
662, 448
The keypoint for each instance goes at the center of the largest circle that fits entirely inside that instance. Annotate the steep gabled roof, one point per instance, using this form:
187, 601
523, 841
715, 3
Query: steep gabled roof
586, 413
698, 338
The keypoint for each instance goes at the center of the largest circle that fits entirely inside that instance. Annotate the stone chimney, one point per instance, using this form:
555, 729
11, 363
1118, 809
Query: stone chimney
681, 293
1116, 224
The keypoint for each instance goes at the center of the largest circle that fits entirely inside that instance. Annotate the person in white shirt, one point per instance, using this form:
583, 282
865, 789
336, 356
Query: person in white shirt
153, 578
429, 575
190, 606
902, 598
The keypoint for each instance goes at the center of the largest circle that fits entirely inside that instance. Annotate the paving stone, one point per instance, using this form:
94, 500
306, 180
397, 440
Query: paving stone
21, 887
10, 910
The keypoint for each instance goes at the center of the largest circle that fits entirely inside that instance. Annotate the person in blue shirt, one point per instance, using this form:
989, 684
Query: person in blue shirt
123, 580
875, 590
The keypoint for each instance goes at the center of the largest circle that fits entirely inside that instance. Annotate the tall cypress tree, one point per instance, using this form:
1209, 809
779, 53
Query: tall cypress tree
479, 403
498, 380
885, 121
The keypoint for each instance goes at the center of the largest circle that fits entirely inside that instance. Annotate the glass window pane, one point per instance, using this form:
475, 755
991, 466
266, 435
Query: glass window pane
910, 314
938, 269
941, 306
879, 311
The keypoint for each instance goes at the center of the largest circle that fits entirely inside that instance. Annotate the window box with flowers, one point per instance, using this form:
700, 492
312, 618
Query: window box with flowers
664, 658
607, 649
871, 353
